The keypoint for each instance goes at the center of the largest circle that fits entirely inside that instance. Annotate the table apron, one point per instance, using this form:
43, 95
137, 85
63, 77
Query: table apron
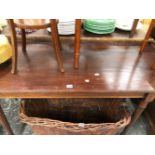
75, 95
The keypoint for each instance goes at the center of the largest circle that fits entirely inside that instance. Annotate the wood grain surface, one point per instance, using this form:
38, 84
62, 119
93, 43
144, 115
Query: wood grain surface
120, 74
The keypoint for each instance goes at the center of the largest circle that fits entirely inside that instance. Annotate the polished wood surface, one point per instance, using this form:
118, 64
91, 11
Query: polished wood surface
33, 24
92, 37
120, 73
117, 38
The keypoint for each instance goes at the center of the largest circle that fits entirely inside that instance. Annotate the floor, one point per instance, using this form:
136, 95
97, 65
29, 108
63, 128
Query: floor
11, 109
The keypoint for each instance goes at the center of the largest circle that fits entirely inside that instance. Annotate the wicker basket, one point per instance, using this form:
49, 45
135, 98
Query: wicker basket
75, 116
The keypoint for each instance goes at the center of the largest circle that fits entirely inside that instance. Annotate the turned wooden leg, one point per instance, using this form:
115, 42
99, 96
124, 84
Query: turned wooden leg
4, 122
139, 111
56, 44
59, 42
14, 45
23, 36
60, 45
147, 36
134, 26
77, 43
153, 66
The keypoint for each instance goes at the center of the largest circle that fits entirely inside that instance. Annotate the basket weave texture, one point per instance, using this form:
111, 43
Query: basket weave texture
75, 116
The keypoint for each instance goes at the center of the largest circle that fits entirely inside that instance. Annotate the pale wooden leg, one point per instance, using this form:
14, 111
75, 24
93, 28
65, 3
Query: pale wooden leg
23, 36
77, 43
134, 26
4, 122
139, 111
14, 45
56, 43
147, 37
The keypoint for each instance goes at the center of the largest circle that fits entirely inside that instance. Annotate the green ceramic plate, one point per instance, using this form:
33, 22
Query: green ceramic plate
102, 26
99, 27
100, 31
100, 22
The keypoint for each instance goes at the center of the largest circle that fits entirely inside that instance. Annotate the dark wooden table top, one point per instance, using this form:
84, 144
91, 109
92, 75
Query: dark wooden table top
119, 74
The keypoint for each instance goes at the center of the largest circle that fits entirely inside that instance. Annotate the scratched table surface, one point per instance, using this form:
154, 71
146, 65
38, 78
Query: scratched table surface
111, 71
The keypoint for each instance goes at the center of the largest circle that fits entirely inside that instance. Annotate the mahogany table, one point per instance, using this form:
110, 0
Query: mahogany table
119, 75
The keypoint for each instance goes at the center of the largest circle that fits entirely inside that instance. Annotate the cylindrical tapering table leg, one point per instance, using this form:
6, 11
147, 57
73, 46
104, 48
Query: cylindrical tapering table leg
14, 45
153, 66
56, 44
139, 111
134, 26
77, 43
4, 122
147, 36
23, 40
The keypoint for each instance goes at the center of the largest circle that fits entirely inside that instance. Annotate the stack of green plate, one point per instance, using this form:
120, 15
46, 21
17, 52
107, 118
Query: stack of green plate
100, 26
